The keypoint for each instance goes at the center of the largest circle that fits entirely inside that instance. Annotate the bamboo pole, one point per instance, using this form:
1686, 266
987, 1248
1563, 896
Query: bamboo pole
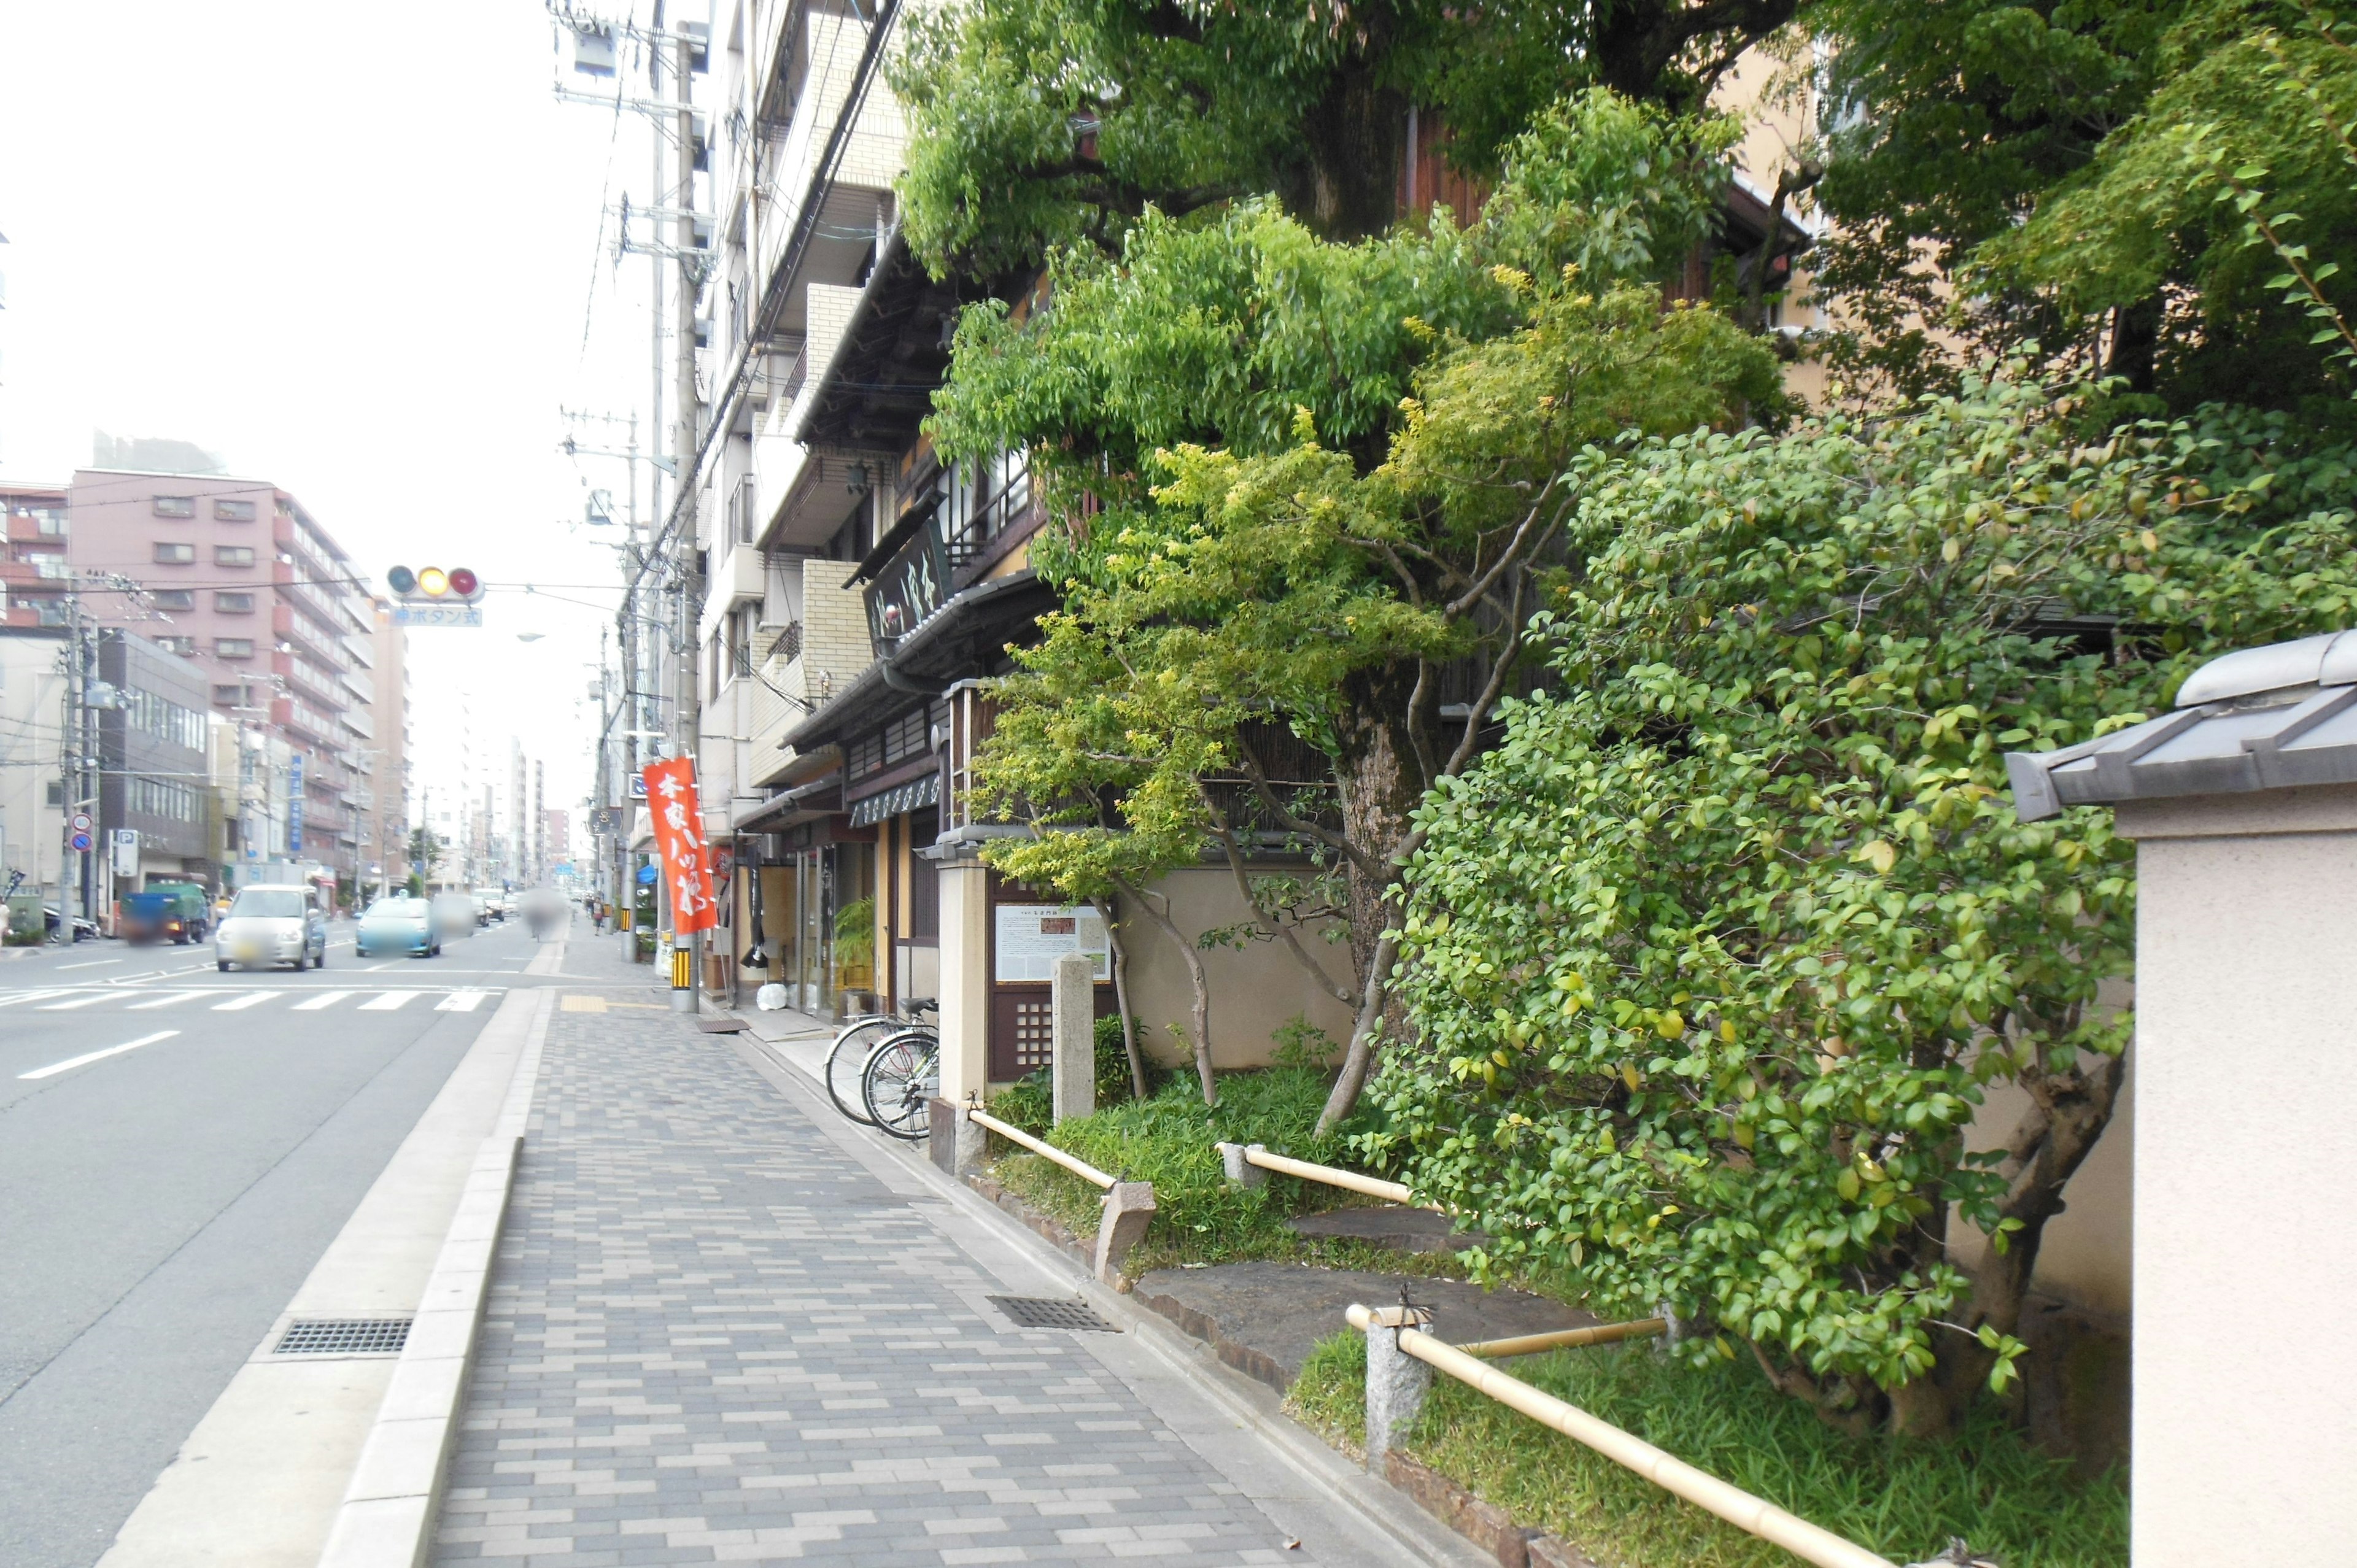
1373, 1186
1072, 1163
1739, 1508
1565, 1338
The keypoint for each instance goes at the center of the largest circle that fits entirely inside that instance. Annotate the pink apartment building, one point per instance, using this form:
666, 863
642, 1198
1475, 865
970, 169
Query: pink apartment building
235, 575
33, 555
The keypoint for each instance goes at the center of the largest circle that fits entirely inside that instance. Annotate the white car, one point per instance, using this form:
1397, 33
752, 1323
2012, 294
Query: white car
272, 924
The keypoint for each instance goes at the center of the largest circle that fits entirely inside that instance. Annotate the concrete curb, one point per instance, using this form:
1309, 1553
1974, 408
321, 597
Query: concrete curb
386, 1520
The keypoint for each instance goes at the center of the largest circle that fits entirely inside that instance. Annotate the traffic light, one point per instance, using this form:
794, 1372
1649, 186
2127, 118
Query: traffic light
433, 584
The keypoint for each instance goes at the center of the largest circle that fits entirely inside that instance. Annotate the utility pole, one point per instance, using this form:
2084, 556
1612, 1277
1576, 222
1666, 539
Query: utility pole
72, 864
687, 432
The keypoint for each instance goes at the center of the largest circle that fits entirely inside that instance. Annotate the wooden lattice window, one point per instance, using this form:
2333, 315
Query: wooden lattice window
1035, 1033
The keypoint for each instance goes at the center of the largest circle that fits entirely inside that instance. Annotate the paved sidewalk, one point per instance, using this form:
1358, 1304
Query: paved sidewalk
713, 1335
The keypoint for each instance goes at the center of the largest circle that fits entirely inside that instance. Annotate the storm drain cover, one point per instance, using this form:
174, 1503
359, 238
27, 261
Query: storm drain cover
344, 1336
1038, 1312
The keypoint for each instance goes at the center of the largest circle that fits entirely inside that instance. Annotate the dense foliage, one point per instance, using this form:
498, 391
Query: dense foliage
1945, 124
2220, 209
1059, 123
1276, 535
2152, 189
1712, 956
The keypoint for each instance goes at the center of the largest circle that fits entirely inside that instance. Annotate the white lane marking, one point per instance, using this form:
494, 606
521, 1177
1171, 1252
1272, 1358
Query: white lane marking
388, 1002
326, 999
375, 967
77, 1001
461, 1001
173, 999
72, 1062
238, 1004
93, 963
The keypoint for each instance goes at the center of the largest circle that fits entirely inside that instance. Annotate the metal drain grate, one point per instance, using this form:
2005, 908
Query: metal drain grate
1038, 1312
344, 1336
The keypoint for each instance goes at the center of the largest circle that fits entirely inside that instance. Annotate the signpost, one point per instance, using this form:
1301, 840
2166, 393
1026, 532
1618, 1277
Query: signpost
295, 807
437, 615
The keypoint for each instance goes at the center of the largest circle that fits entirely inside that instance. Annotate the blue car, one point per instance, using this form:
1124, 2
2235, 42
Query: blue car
397, 924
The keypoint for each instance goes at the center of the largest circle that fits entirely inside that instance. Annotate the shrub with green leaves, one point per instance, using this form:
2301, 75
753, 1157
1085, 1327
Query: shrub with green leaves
1711, 960
1171, 1141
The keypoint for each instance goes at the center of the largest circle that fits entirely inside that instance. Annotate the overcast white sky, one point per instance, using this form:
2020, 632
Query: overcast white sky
351, 249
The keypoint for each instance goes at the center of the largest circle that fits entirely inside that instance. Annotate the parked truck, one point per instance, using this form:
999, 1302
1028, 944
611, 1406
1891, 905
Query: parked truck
165, 912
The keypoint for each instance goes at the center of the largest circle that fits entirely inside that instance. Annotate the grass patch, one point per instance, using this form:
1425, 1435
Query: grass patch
1903, 1499
1168, 1140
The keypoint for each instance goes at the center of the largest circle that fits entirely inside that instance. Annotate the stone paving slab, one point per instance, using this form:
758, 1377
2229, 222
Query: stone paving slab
714, 1338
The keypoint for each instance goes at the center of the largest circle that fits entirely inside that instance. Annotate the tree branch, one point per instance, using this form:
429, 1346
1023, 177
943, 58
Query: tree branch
1277, 929
1327, 836
1510, 557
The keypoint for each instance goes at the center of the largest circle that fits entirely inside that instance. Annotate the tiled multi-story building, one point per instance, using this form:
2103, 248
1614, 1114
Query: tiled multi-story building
237, 576
859, 588
381, 797
33, 566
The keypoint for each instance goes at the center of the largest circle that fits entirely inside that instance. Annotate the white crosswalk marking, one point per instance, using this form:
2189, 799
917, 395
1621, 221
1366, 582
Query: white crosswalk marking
461, 1001
325, 999
388, 1002
173, 999
78, 1001
238, 1004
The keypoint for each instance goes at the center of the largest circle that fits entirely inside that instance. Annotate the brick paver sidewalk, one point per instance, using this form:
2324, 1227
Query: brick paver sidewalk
714, 1336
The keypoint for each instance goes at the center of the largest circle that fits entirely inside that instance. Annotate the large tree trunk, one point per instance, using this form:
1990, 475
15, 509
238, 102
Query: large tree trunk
2068, 1112
1346, 186
1383, 780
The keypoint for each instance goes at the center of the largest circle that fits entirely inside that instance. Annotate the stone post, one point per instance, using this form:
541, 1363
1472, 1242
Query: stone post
1074, 1014
1397, 1381
956, 1141
1128, 1211
1240, 1172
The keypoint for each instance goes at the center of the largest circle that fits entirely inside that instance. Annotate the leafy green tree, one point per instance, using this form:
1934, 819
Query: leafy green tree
1946, 124
1061, 122
2232, 196
1317, 485
1712, 958
426, 847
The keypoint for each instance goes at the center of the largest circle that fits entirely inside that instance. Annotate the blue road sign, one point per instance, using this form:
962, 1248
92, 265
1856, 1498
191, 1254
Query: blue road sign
80, 843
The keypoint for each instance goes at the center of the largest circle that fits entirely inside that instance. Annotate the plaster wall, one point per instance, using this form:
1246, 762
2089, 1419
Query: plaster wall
1254, 989
2245, 1435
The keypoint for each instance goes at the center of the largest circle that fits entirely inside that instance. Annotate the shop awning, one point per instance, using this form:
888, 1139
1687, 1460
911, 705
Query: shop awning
913, 796
819, 798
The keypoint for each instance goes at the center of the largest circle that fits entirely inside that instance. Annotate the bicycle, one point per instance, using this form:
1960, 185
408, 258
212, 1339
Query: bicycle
902, 1073
847, 1059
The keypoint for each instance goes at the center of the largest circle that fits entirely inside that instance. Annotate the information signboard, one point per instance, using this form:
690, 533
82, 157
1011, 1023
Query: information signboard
1032, 936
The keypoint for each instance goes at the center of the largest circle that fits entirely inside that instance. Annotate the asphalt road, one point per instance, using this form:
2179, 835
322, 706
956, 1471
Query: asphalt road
161, 1201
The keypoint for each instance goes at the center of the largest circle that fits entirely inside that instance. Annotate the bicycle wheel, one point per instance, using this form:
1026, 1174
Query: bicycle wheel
848, 1059
901, 1074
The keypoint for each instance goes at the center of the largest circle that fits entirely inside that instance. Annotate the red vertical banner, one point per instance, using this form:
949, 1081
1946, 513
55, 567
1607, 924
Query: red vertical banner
679, 841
